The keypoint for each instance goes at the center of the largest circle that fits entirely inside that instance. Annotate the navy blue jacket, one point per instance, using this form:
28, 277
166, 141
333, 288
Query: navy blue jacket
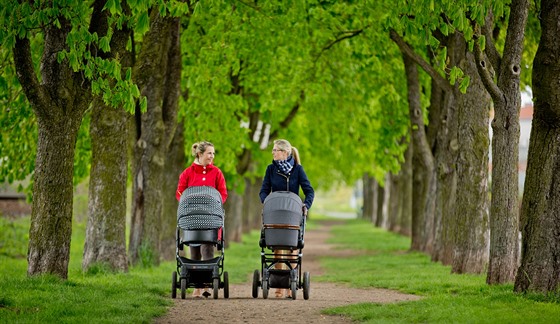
274, 180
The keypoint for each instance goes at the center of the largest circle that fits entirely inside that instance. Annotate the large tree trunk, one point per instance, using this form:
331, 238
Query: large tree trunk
504, 220
472, 201
105, 231
157, 73
445, 155
540, 212
59, 102
424, 184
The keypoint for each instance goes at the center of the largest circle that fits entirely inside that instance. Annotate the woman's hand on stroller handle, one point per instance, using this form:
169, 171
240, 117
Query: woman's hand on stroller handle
304, 210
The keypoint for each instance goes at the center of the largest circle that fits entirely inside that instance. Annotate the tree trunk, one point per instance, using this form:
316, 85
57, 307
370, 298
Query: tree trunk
472, 201
540, 262
51, 213
504, 220
105, 240
406, 194
394, 211
233, 228
252, 207
105, 231
59, 102
379, 209
157, 73
423, 202
174, 165
446, 151
369, 198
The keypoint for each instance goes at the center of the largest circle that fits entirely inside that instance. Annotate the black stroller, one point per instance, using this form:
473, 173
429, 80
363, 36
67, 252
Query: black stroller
283, 229
200, 219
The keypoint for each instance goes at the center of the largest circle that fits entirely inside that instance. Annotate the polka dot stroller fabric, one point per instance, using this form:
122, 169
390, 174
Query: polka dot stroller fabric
200, 208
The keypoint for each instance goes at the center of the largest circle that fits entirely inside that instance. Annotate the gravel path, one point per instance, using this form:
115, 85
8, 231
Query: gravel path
241, 307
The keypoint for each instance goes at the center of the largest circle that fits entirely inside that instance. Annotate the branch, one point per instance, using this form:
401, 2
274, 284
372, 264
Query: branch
491, 52
346, 35
35, 93
486, 75
406, 49
290, 117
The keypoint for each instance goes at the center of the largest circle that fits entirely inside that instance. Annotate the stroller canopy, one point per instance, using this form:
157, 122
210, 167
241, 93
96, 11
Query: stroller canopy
282, 207
200, 207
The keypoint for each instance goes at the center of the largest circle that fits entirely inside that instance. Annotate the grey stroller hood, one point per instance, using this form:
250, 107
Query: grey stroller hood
282, 207
200, 207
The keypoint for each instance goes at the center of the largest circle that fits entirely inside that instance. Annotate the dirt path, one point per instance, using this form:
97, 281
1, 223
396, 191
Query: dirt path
241, 307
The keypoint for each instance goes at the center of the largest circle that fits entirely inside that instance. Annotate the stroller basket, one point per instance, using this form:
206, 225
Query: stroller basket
200, 208
282, 219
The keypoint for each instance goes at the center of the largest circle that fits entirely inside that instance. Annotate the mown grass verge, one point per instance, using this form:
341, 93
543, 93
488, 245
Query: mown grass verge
447, 298
98, 296
142, 294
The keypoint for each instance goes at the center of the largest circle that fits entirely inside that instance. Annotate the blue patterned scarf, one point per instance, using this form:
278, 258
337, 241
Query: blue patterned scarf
285, 166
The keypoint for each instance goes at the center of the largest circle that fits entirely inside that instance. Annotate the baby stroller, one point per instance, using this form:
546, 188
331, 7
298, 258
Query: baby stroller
200, 219
283, 229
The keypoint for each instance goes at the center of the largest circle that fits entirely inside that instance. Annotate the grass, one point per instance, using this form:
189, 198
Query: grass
143, 293
97, 296
447, 298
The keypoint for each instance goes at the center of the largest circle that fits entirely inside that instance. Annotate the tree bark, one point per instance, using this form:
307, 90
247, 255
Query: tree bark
504, 220
540, 216
157, 74
59, 102
471, 242
174, 165
423, 202
105, 240
233, 226
406, 194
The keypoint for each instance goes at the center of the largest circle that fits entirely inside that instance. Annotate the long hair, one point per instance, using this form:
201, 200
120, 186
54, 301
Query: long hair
286, 146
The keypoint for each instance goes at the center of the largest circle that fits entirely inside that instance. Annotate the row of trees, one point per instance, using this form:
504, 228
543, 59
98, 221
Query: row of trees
117, 89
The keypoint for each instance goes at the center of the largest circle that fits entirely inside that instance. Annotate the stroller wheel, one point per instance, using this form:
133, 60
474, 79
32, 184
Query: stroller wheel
174, 284
216, 287
294, 289
226, 284
183, 288
306, 282
265, 289
256, 277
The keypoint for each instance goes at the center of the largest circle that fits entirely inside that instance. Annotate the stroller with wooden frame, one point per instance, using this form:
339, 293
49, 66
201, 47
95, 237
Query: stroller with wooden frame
283, 229
200, 220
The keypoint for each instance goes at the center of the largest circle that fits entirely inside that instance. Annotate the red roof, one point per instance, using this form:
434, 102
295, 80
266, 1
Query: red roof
526, 112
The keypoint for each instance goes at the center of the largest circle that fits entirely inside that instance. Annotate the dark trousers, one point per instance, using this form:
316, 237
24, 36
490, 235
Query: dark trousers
202, 252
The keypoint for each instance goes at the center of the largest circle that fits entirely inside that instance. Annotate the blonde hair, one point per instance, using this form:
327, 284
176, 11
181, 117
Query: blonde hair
200, 147
286, 146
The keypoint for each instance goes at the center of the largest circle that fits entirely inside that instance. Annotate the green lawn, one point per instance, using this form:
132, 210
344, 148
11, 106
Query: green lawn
448, 298
143, 293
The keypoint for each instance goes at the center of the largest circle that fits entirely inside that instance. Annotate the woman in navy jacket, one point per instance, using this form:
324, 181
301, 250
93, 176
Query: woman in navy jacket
286, 173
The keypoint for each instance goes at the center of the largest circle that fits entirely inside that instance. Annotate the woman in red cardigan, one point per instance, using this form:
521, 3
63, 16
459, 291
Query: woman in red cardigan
202, 172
